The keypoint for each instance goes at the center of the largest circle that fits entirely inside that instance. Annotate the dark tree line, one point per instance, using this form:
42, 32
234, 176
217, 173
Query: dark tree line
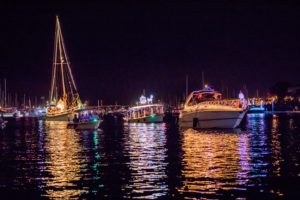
280, 89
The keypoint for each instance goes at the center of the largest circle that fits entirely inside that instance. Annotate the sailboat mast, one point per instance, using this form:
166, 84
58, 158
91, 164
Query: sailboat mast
53, 86
68, 62
203, 82
16, 100
24, 101
5, 92
29, 103
61, 61
186, 86
62, 83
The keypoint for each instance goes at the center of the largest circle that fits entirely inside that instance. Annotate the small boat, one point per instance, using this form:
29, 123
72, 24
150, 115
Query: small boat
256, 106
84, 121
64, 96
145, 111
205, 109
256, 109
10, 113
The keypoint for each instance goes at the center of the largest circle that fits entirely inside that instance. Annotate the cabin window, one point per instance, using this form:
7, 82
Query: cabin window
198, 98
207, 96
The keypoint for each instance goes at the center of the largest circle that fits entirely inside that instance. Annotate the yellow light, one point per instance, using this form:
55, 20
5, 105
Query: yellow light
60, 105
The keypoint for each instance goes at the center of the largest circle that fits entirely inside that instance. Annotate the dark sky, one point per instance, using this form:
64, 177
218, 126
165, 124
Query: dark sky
119, 49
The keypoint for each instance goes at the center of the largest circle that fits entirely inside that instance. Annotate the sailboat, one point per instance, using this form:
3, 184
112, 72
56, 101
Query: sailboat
6, 109
64, 97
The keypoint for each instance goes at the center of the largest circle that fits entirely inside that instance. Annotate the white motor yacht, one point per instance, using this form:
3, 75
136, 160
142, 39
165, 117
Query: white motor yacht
206, 109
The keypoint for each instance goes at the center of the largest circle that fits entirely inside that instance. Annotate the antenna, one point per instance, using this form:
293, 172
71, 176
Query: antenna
186, 85
203, 82
4, 92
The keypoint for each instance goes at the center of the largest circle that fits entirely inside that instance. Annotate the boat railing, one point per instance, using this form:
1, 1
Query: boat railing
235, 103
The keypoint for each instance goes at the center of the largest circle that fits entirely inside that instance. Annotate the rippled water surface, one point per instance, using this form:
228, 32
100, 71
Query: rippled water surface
42, 159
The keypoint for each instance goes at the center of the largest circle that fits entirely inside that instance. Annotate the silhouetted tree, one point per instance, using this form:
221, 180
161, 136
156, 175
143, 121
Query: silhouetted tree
280, 89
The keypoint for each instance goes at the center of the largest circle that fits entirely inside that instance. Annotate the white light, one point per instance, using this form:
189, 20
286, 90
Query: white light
143, 99
60, 106
241, 95
149, 100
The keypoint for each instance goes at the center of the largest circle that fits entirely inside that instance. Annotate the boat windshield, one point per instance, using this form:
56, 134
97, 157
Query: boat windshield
200, 97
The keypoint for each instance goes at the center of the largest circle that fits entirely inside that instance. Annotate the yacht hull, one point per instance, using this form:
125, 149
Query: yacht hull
211, 119
157, 118
59, 117
84, 125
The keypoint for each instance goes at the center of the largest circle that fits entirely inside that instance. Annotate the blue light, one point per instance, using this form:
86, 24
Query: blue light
257, 108
207, 89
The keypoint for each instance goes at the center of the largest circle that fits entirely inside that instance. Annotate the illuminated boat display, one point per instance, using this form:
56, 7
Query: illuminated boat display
206, 109
146, 111
64, 97
84, 120
256, 105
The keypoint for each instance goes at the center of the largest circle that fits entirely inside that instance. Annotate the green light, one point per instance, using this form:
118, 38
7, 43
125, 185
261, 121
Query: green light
152, 116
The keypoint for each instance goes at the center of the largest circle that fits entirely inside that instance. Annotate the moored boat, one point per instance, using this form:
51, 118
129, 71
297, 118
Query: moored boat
256, 105
61, 116
10, 113
84, 121
146, 111
64, 96
206, 109
85, 125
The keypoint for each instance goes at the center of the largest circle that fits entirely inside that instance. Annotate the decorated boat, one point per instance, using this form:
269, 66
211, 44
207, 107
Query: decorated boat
64, 97
146, 111
84, 120
206, 109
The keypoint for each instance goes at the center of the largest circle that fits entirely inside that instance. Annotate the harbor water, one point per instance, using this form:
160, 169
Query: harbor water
41, 159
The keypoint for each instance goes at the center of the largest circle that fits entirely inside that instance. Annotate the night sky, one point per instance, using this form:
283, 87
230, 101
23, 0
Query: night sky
119, 49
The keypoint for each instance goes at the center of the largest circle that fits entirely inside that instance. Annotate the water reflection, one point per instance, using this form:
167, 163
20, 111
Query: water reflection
145, 146
265, 153
148, 161
91, 151
63, 162
276, 147
213, 161
259, 148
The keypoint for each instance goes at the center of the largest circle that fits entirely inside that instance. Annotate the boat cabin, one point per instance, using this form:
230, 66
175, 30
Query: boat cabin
206, 94
145, 111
